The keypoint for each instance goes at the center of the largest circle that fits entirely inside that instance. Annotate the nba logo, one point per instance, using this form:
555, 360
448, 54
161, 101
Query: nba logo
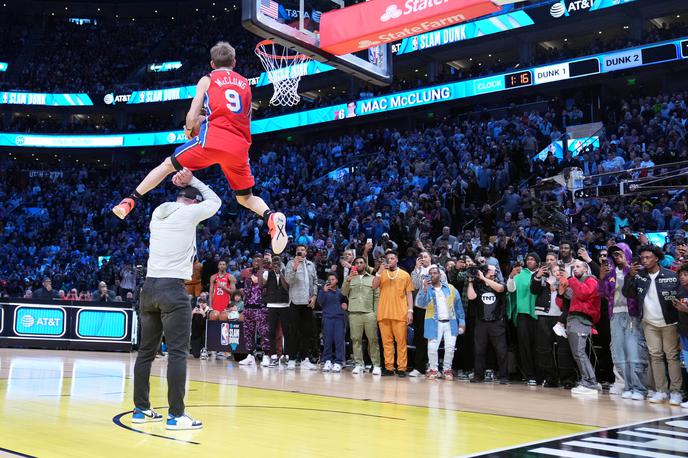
224, 334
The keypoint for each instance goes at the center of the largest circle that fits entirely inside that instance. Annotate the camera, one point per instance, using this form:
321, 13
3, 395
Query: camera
473, 270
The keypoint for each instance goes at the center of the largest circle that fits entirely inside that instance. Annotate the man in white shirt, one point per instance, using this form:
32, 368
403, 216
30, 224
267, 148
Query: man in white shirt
164, 304
655, 289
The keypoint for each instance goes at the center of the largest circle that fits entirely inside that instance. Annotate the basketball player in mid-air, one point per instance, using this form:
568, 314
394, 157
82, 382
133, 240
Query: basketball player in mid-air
221, 136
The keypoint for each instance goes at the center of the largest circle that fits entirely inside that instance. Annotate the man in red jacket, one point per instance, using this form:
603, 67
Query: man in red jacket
583, 312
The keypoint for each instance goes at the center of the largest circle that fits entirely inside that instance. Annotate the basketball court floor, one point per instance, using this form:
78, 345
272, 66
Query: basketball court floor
73, 404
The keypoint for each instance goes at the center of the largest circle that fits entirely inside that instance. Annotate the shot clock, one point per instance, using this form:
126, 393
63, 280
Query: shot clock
523, 78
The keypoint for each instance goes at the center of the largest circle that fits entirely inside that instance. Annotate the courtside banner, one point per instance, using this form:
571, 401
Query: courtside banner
368, 24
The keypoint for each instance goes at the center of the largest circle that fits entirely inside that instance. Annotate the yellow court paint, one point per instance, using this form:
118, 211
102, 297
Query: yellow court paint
43, 413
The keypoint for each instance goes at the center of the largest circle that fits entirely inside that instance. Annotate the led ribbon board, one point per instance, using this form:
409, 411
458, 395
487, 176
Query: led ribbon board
36, 98
636, 57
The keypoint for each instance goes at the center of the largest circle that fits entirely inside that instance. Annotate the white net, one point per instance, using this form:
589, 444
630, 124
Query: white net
284, 68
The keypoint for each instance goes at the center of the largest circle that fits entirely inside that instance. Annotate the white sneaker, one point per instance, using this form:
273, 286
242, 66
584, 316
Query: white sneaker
625, 395
250, 360
358, 370
326, 368
336, 367
377, 370
617, 390
204, 354
676, 398
638, 396
658, 398
266, 361
581, 390
220, 356
414, 373
650, 393
182, 422
291, 365
685, 405
306, 364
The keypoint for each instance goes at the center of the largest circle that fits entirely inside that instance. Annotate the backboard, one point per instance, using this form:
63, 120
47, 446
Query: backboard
296, 24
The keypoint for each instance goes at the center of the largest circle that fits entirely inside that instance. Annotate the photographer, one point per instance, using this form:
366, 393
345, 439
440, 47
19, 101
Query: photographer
544, 284
199, 315
444, 319
487, 296
655, 288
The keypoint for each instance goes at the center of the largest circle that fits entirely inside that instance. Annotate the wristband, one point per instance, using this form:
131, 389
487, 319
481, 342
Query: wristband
410, 311
377, 274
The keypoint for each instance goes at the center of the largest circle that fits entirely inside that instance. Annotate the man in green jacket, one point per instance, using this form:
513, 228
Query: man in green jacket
358, 288
522, 311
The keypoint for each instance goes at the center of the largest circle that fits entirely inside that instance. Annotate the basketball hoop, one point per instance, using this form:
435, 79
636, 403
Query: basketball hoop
284, 68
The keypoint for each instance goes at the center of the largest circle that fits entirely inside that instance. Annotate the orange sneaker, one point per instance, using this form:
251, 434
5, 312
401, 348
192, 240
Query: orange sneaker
277, 225
124, 207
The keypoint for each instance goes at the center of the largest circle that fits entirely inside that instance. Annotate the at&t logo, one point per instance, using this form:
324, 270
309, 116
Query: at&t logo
28, 321
561, 8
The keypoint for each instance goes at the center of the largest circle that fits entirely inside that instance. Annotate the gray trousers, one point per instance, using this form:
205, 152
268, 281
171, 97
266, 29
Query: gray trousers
579, 333
164, 307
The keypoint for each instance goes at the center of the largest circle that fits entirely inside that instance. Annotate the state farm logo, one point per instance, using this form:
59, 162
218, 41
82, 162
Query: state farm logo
411, 6
365, 44
392, 12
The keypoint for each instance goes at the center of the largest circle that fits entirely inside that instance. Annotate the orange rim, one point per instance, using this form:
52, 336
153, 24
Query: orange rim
273, 56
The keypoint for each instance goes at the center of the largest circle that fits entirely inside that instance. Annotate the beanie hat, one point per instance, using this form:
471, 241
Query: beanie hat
534, 255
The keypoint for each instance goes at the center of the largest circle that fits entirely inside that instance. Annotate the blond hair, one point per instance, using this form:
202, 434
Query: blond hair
222, 54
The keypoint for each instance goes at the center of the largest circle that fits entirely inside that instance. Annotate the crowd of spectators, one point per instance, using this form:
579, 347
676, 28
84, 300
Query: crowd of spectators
459, 191
463, 174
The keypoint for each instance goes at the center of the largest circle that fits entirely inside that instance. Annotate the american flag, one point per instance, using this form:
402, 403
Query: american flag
269, 8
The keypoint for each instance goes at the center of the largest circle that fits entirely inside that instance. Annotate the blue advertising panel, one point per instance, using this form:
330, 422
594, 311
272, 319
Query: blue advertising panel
101, 324
35, 98
474, 29
35, 321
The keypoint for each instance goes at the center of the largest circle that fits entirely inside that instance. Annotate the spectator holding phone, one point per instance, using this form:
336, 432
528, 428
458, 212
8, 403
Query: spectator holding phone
655, 288
332, 303
363, 299
444, 319
395, 311
419, 276
582, 314
302, 280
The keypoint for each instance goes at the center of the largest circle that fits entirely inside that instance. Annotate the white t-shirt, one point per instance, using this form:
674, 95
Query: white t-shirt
620, 302
652, 309
275, 305
441, 303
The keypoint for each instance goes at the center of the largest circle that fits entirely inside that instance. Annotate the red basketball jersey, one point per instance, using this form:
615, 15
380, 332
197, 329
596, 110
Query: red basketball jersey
228, 104
220, 296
